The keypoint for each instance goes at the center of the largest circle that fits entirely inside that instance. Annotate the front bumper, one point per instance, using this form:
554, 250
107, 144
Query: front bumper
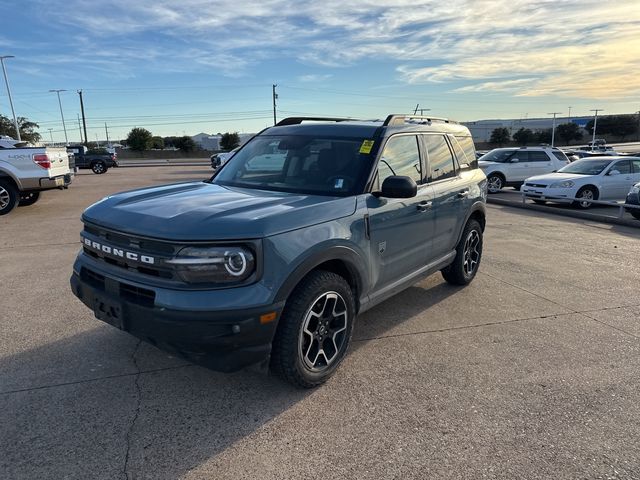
560, 195
223, 340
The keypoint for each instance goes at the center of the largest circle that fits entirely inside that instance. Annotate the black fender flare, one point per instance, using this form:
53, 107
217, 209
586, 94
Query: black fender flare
476, 207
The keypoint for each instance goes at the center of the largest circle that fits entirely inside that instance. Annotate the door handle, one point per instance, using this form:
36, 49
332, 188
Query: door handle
424, 206
463, 194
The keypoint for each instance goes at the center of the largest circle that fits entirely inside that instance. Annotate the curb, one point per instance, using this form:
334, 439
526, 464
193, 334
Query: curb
596, 217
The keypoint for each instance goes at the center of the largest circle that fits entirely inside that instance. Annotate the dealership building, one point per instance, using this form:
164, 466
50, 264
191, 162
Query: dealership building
481, 129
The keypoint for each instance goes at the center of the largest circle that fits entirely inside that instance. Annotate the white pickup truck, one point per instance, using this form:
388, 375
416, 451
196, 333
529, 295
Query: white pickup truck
26, 171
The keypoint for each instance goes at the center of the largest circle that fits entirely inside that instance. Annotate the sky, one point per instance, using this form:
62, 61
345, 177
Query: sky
190, 66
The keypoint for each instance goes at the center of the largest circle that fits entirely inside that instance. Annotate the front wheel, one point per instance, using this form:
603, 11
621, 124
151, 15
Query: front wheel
9, 197
465, 265
98, 168
314, 331
495, 182
27, 199
585, 195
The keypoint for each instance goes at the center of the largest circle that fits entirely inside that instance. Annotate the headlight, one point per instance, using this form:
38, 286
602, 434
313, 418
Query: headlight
565, 184
635, 189
230, 264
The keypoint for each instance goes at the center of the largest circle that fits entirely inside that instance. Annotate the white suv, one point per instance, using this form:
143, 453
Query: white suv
509, 167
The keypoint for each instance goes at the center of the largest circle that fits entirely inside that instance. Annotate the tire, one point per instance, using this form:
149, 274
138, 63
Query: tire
634, 213
464, 267
587, 193
29, 198
297, 355
99, 168
495, 182
517, 186
9, 197
540, 202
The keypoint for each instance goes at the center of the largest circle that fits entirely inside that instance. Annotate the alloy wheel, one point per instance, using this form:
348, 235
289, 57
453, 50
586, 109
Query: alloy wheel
585, 196
494, 184
4, 198
324, 332
471, 253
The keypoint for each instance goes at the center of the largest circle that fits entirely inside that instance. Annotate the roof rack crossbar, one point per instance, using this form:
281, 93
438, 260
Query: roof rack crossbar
299, 120
396, 119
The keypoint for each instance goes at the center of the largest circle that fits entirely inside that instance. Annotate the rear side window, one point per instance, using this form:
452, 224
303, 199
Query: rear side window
636, 166
400, 157
623, 166
538, 156
466, 143
560, 156
441, 164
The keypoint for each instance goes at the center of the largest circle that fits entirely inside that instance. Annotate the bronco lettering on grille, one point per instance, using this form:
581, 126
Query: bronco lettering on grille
118, 252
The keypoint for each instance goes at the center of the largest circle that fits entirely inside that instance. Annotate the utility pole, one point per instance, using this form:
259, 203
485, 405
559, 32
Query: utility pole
106, 130
51, 133
569, 121
553, 129
80, 129
6, 81
638, 113
275, 97
64, 127
595, 124
84, 120
415, 112
422, 110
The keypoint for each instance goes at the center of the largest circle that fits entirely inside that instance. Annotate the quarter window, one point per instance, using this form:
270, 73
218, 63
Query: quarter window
440, 158
400, 157
469, 150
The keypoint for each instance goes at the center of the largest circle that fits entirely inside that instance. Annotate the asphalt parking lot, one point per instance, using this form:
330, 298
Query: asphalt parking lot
530, 372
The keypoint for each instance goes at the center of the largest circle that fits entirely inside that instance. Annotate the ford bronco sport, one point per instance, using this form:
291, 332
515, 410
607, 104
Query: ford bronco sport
312, 222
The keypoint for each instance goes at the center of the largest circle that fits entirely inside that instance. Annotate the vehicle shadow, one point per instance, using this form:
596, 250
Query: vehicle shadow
165, 422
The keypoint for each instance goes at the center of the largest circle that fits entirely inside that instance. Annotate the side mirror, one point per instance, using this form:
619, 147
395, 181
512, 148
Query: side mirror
613, 172
514, 160
398, 187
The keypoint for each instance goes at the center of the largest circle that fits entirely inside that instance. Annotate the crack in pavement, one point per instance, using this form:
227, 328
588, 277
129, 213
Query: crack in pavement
125, 470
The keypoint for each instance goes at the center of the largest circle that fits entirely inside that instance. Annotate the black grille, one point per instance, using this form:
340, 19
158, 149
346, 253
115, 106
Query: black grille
128, 241
537, 185
131, 293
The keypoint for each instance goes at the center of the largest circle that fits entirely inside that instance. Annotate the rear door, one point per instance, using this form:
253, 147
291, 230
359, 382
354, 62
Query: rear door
400, 228
449, 191
540, 163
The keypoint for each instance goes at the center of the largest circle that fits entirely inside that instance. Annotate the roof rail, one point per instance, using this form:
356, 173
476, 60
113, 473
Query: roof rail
396, 119
299, 120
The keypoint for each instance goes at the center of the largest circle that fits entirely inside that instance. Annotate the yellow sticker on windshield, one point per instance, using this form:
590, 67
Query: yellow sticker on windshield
366, 147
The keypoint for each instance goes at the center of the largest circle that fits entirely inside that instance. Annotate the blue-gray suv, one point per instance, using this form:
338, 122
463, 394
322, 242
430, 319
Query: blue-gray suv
312, 222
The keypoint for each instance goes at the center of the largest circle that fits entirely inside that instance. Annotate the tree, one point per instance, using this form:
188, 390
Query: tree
543, 136
186, 143
157, 143
568, 131
523, 136
139, 139
618, 125
499, 136
229, 141
27, 129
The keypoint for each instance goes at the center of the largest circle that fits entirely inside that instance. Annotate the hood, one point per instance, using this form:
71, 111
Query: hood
557, 177
204, 211
485, 163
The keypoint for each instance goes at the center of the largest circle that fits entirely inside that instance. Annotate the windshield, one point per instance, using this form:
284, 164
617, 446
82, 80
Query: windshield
586, 167
299, 164
500, 155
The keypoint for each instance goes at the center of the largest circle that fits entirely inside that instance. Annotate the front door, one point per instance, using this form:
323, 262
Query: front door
400, 228
616, 187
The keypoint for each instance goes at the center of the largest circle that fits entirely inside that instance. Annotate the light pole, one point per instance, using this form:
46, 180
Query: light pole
64, 127
6, 80
595, 124
553, 129
51, 133
569, 115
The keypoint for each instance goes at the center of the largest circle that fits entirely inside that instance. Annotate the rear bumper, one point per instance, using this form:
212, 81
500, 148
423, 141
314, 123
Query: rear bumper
221, 340
46, 183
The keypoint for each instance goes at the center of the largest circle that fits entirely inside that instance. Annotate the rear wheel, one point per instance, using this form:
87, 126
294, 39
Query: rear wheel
314, 331
495, 182
585, 195
29, 198
98, 167
9, 197
464, 267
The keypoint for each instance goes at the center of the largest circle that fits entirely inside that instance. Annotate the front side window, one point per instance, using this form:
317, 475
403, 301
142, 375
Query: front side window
499, 155
298, 164
441, 163
400, 157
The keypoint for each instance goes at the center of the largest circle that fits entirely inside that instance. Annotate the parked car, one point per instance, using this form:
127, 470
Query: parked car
271, 264
633, 198
509, 167
597, 178
98, 162
219, 159
27, 171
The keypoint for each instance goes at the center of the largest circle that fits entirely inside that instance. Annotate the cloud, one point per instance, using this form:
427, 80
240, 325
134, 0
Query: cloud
314, 77
529, 48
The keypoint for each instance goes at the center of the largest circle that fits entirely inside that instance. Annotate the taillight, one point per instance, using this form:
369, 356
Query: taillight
42, 161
